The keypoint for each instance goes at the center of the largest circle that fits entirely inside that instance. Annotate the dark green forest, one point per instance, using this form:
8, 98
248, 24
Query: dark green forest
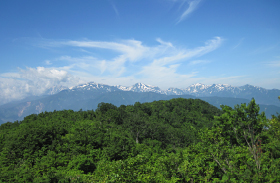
179, 140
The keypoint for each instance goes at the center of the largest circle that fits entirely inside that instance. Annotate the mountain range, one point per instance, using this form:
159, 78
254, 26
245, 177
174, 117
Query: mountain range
87, 96
261, 95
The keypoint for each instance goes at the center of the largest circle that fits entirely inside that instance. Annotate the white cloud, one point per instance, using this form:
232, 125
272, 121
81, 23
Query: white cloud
187, 54
192, 5
133, 52
161, 70
273, 63
195, 62
152, 62
115, 9
33, 81
43, 73
239, 43
134, 62
168, 44
48, 62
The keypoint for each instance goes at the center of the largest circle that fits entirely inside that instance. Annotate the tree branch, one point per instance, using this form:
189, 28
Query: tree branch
224, 170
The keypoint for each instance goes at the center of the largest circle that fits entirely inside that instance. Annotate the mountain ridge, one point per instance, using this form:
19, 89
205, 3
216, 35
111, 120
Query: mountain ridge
88, 95
194, 88
262, 95
77, 100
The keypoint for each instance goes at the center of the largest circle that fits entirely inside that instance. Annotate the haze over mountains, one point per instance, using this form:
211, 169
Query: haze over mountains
87, 96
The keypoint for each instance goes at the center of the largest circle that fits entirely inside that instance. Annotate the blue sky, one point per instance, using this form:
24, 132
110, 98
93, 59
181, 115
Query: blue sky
166, 43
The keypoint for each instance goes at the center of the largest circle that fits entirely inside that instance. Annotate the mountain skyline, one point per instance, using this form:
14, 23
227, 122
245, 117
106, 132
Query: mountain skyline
262, 95
198, 90
46, 45
142, 87
87, 97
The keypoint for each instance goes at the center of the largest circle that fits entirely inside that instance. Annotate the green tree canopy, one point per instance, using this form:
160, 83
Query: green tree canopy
179, 140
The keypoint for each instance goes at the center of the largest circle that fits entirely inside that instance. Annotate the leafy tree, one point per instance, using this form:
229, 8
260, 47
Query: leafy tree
179, 140
236, 146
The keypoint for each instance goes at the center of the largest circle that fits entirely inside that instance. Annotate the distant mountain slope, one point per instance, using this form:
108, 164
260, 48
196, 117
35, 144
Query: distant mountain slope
218, 101
261, 95
87, 99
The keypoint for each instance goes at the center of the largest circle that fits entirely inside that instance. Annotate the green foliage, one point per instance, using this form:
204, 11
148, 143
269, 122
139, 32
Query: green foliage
238, 148
180, 140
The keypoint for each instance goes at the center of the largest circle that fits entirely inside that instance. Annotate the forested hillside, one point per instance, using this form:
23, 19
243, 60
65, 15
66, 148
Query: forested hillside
89, 100
179, 140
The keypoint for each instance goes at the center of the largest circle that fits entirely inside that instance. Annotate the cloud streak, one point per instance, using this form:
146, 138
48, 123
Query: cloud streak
116, 10
132, 49
274, 64
239, 43
164, 56
131, 62
195, 62
192, 5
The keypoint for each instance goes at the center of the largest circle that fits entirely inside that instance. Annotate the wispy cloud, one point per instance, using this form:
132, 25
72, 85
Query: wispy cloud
239, 43
195, 62
263, 49
192, 5
116, 10
187, 54
47, 62
131, 62
273, 63
135, 53
131, 49
164, 43
164, 69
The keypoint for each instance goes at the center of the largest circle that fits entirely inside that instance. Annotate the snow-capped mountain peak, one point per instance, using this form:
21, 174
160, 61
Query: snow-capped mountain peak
221, 86
198, 89
90, 84
198, 85
140, 87
123, 88
144, 88
93, 86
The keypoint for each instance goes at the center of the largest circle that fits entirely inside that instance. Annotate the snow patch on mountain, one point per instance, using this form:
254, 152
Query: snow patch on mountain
198, 89
93, 86
55, 89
